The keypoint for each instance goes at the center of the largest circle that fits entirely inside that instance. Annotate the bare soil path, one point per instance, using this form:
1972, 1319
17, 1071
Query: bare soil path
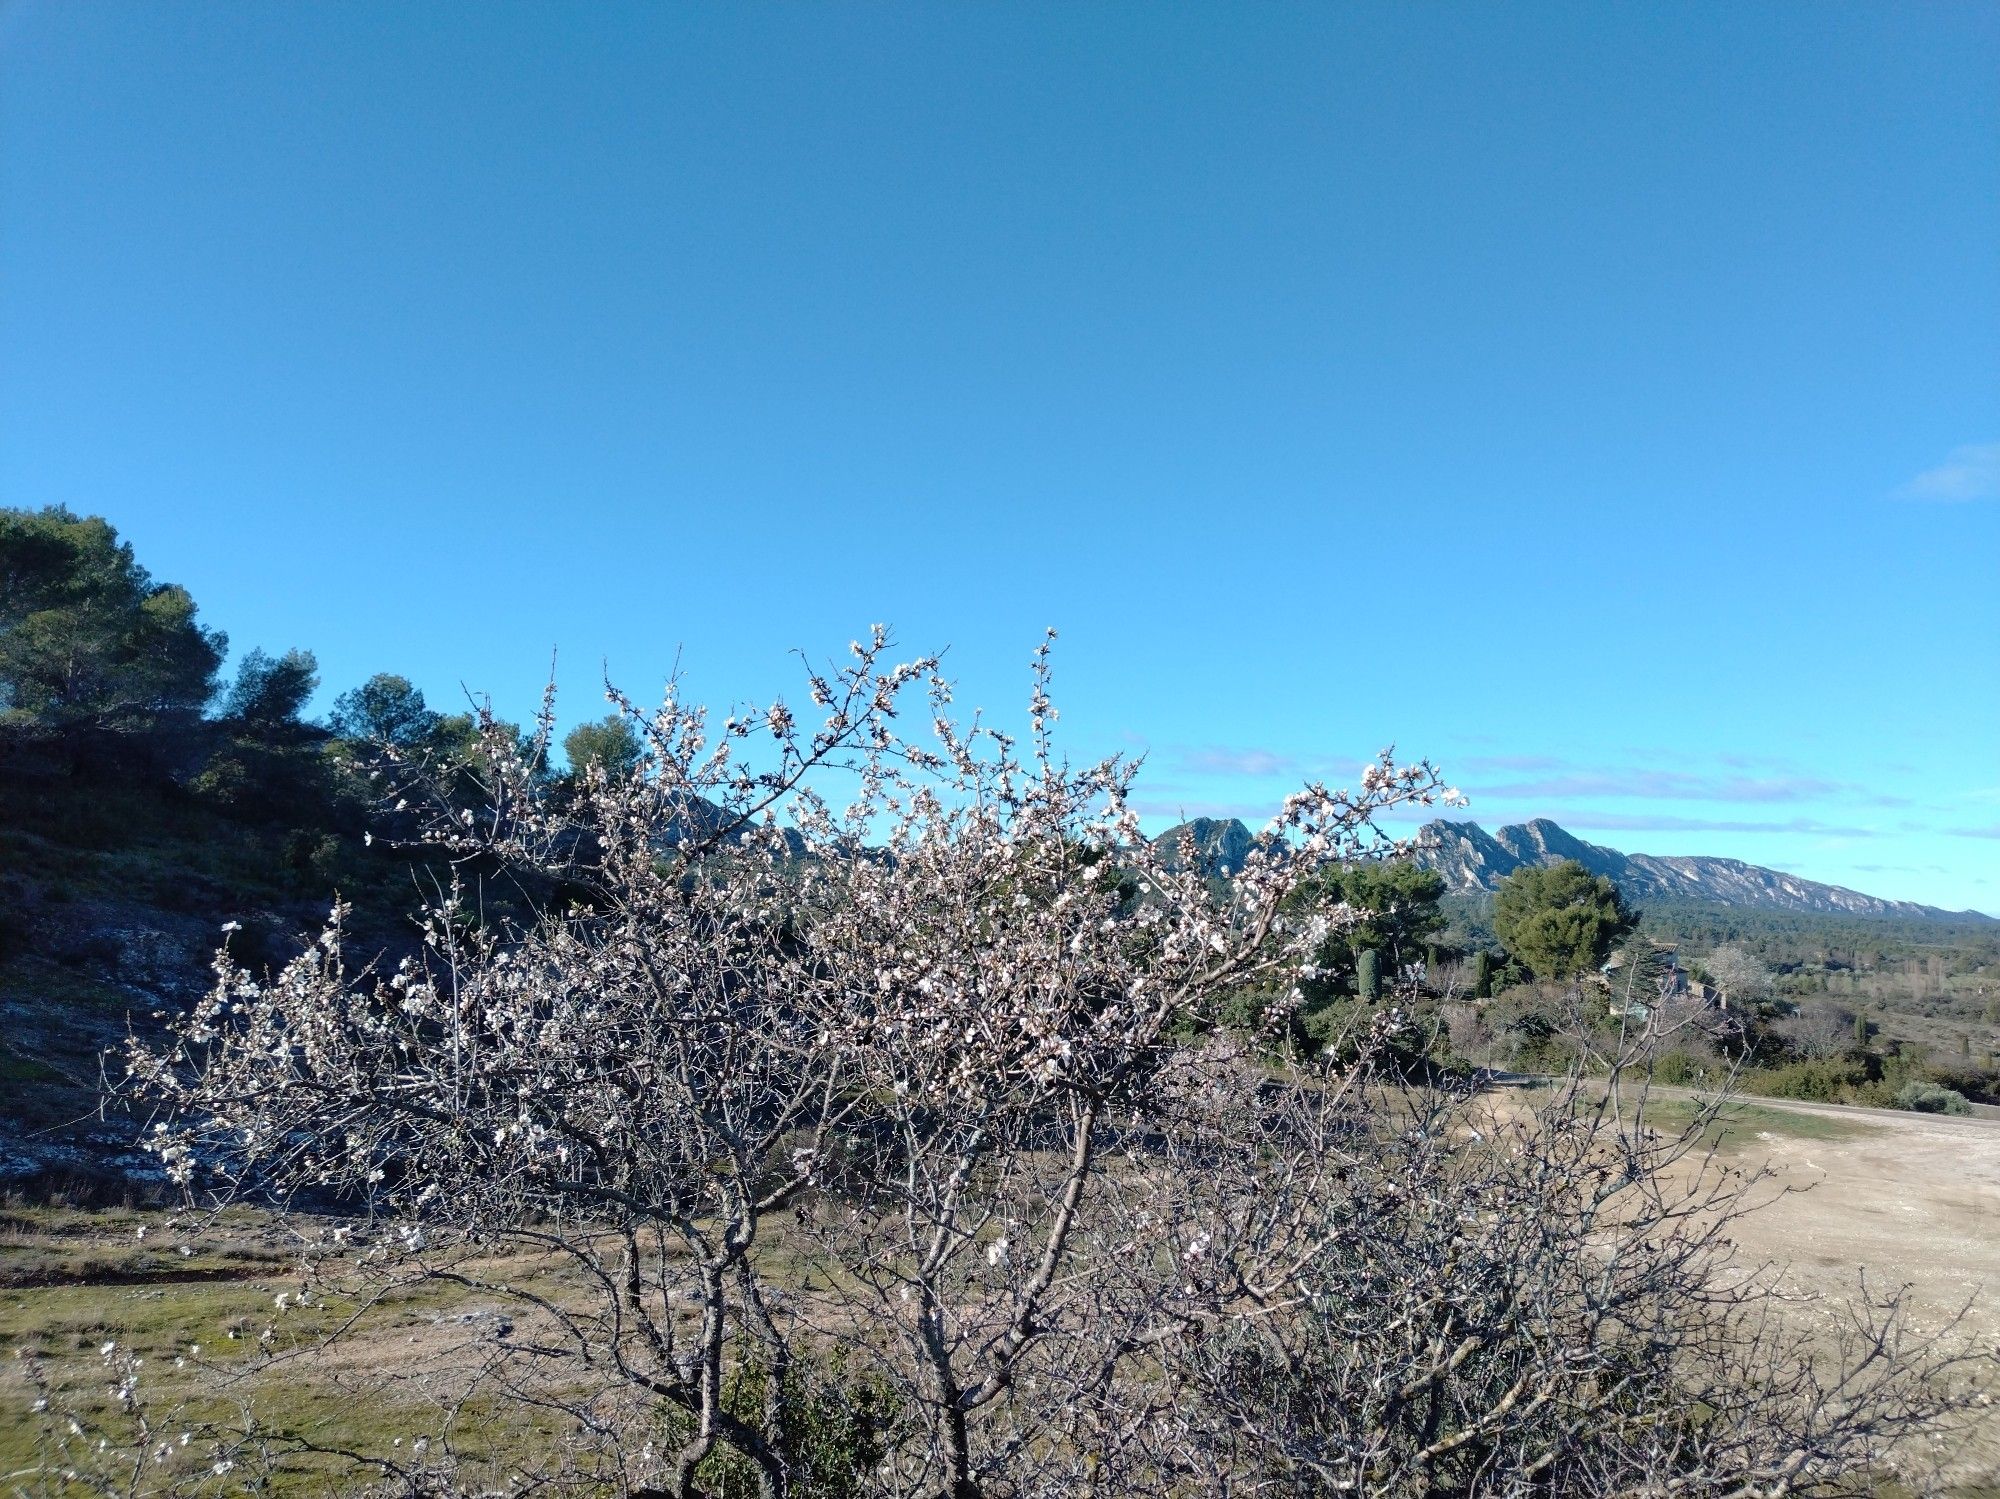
1906, 1199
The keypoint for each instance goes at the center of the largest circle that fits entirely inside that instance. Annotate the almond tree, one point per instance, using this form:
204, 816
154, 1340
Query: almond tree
910, 1026
847, 1109
1404, 1288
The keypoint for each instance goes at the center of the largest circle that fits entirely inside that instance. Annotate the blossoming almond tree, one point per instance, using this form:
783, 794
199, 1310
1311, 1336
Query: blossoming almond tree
891, 1142
906, 1029
1403, 1287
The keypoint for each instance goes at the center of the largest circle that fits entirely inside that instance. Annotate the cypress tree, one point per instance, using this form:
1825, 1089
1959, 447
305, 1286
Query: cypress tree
1368, 973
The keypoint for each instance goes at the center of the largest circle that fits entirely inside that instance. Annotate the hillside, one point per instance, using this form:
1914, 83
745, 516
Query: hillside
1473, 860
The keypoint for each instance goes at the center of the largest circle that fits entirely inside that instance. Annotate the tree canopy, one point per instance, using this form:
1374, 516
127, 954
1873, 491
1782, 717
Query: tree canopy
610, 745
385, 709
271, 691
1559, 919
90, 645
1399, 900
1397, 905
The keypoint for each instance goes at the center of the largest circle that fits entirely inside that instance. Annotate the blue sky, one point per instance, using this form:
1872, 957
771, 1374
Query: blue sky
1601, 400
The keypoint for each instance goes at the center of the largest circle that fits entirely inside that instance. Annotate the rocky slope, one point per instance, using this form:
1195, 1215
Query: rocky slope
1220, 845
1473, 860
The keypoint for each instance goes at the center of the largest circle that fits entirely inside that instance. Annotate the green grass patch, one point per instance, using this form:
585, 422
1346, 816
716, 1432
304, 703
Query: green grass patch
72, 1280
1739, 1124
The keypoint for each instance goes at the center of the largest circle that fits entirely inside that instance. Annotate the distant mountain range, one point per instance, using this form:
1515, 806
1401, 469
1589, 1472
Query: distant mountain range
1474, 861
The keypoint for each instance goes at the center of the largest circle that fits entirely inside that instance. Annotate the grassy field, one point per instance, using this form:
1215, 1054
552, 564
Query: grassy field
72, 1281
1741, 1125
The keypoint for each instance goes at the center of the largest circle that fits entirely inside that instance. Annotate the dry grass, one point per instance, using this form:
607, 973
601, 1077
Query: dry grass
1907, 1198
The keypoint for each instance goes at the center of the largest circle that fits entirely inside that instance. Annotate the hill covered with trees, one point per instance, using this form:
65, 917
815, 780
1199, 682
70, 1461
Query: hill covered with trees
147, 802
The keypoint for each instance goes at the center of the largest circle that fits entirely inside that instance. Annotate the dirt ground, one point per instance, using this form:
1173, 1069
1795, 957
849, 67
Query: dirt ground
1909, 1198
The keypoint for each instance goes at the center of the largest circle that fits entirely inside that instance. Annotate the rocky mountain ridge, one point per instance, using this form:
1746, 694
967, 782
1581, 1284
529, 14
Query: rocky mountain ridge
1220, 844
1474, 861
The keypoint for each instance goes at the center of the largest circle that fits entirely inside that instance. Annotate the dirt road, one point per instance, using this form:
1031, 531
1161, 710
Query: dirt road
1909, 1198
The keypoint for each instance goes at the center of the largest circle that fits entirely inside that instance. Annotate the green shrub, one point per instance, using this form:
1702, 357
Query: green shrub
1874, 1095
1248, 1012
1931, 1098
1962, 1074
836, 1426
1334, 1022
1482, 975
1676, 1069
1554, 1055
1828, 1080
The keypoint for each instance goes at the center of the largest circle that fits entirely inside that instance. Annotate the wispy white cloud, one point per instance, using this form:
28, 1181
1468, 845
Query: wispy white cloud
1585, 820
1479, 764
1252, 813
1227, 760
1198, 783
1648, 822
1577, 783
1991, 831
1756, 762
1968, 473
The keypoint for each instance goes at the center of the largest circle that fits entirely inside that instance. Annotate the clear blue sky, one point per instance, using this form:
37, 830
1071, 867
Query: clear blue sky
1603, 400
